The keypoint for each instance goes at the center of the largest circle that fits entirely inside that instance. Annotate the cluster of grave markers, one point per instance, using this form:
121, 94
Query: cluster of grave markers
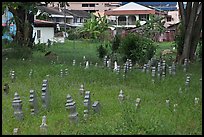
71, 105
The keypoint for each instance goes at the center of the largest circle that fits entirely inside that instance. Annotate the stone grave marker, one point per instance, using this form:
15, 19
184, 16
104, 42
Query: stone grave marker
33, 102
153, 73
121, 96
115, 66
118, 69
17, 106
144, 68
96, 64
175, 107
109, 63
180, 91
16, 131
82, 90
6, 88
86, 114
13, 77
45, 94
66, 71
185, 64
105, 61
173, 68
43, 126
71, 107
87, 65
187, 83
30, 73
137, 102
168, 103
74, 62
159, 69
196, 100
170, 70
96, 106
61, 73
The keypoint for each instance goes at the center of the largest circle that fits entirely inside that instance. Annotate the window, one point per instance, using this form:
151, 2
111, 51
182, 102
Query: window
38, 34
143, 17
92, 5
84, 5
168, 18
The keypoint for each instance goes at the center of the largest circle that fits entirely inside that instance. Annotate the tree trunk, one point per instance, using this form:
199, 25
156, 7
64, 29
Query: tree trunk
23, 26
196, 36
188, 34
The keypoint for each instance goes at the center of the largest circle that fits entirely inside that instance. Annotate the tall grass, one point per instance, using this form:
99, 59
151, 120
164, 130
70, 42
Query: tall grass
152, 117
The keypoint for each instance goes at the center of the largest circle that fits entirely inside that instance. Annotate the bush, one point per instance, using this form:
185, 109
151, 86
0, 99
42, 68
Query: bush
102, 51
137, 48
40, 47
115, 43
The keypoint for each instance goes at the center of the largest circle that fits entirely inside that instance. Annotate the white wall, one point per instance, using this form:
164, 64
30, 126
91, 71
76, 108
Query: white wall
46, 33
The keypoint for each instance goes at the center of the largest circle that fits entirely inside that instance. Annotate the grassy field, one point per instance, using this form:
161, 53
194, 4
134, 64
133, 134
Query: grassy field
152, 117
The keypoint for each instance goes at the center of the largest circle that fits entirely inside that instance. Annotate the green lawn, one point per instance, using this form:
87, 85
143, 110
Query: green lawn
152, 117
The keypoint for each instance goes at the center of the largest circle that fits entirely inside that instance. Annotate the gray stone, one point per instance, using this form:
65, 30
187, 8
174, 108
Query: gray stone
144, 68
45, 94
187, 83
96, 106
16, 131
74, 62
82, 90
6, 88
137, 102
33, 102
121, 96
43, 126
17, 106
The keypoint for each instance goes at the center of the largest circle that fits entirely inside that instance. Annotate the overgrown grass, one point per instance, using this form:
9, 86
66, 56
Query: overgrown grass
153, 117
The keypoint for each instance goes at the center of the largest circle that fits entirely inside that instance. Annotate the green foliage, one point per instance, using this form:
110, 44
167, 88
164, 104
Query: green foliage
40, 47
116, 43
94, 27
137, 48
153, 27
102, 51
19, 52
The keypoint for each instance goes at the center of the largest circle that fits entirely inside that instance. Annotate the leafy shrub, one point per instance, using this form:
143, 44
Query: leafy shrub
115, 43
137, 48
102, 51
40, 47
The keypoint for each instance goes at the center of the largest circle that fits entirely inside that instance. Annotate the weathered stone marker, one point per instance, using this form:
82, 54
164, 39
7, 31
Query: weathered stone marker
185, 64
153, 74
45, 94
82, 90
121, 96
137, 102
187, 83
167, 103
43, 126
33, 102
96, 106
6, 88
71, 107
15, 131
17, 106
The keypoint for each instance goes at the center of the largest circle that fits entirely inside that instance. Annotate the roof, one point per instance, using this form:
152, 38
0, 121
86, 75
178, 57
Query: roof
130, 8
43, 23
78, 13
53, 11
166, 6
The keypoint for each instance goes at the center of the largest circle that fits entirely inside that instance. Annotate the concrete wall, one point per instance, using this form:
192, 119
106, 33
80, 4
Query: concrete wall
46, 33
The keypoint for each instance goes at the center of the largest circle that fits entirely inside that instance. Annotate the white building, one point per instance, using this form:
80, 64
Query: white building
43, 31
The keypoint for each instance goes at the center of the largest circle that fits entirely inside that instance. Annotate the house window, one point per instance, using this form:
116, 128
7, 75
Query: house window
168, 18
92, 5
84, 5
143, 17
38, 34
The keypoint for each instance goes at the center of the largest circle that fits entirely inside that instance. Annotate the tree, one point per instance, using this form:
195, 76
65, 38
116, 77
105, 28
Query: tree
95, 27
23, 13
191, 22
